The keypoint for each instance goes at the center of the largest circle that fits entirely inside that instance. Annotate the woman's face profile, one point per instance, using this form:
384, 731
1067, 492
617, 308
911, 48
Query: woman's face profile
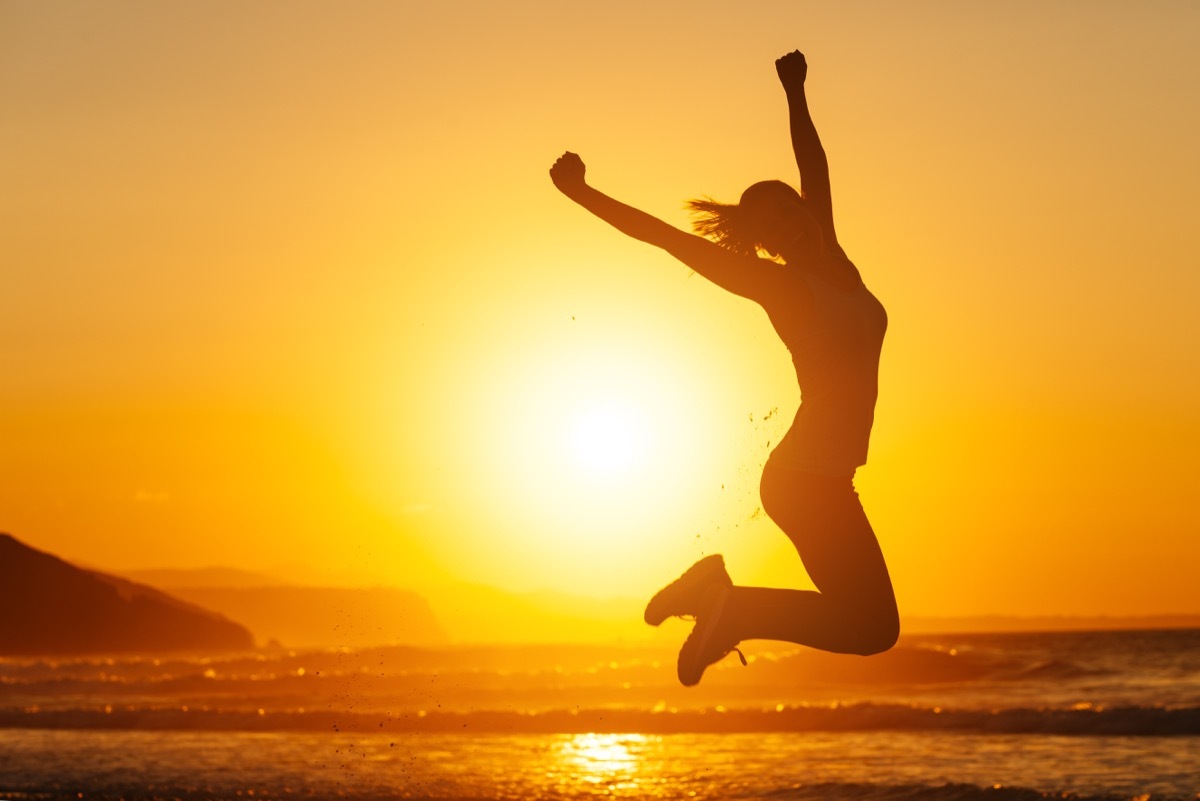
781, 221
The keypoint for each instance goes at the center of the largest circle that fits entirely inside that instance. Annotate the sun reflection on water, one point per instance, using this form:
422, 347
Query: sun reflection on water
614, 761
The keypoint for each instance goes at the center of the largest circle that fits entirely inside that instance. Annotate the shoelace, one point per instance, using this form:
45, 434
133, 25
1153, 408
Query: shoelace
733, 650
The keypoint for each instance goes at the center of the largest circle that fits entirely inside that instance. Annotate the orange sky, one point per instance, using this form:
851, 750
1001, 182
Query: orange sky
286, 288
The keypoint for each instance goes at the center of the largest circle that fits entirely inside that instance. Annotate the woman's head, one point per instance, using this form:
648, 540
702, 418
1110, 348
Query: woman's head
771, 216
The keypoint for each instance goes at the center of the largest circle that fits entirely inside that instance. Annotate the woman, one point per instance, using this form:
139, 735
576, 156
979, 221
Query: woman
834, 328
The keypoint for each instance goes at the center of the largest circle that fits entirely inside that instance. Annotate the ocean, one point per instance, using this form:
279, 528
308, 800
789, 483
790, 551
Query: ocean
1112, 715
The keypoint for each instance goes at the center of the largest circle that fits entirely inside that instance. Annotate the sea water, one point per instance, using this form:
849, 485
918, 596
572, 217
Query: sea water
1105, 715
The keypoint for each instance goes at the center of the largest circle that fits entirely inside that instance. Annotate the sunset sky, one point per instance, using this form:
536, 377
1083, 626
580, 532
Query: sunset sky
286, 288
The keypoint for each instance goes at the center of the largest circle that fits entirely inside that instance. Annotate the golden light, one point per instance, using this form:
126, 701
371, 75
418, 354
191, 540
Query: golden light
587, 469
594, 440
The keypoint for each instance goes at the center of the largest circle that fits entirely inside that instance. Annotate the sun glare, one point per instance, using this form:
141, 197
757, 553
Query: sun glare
609, 439
576, 468
595, 457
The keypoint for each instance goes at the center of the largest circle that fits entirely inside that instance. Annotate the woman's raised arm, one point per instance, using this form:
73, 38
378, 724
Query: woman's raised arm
806, 144
743, 275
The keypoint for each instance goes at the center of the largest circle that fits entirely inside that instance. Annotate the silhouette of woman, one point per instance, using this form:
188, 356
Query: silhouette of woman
833, 327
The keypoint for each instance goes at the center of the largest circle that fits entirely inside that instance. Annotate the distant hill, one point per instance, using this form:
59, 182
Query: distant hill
322, 616
48, 606
176, 578
307, 616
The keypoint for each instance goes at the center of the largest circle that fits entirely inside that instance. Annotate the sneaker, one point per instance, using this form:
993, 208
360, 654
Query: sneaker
687, 595
702, 648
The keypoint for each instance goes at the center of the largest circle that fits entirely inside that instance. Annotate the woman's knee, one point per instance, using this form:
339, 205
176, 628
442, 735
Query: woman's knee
875, 633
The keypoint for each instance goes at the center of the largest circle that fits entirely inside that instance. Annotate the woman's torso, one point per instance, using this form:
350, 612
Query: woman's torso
834, 329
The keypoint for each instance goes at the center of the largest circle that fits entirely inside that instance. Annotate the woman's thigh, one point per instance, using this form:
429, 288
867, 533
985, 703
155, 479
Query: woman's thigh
824, 519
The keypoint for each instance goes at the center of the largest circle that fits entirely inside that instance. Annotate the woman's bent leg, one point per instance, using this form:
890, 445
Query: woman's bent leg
854, 610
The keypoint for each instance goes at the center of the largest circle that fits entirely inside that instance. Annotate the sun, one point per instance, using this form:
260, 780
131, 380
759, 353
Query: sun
609, 438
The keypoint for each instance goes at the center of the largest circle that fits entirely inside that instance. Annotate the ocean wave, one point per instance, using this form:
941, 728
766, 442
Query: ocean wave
915, 664
866, 717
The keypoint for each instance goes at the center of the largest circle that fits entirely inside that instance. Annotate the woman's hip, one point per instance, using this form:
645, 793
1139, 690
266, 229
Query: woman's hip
783, 485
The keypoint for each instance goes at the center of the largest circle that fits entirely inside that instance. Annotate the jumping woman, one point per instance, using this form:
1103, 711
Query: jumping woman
833, 327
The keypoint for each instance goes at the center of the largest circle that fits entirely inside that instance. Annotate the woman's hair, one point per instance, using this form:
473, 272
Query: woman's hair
731, 225
723, 223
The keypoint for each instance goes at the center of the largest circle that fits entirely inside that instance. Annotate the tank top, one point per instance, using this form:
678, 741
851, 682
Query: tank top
835, 345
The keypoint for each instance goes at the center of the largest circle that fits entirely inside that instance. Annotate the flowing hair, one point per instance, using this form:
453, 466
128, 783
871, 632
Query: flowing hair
724, 223
731, 225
